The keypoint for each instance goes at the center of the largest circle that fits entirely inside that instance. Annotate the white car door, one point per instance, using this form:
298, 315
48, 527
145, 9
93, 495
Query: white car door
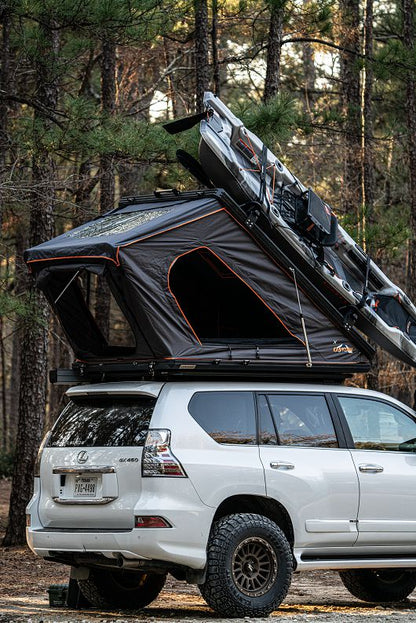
384, 437
306, 470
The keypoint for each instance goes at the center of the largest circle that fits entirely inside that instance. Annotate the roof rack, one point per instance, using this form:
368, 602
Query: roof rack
206, 370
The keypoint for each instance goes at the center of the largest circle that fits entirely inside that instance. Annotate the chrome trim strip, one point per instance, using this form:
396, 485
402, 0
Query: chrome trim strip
353, 563
74, 501
95, 469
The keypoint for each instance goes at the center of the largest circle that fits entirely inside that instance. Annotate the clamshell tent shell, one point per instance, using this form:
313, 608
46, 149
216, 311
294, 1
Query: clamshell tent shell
194, 284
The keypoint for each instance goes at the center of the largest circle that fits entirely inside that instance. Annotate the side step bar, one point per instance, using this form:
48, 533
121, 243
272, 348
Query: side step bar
311, 564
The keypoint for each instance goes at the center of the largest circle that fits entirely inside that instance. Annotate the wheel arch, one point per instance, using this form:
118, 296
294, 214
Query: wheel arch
270, 508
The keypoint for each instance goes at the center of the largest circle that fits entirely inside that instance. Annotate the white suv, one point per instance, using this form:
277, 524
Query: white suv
232, 486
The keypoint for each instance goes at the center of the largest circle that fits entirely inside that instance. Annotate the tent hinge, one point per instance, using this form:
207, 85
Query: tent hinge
350, 318
253, 209
151, 369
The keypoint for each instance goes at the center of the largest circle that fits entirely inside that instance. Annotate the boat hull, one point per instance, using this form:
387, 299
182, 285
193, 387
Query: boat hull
235, 159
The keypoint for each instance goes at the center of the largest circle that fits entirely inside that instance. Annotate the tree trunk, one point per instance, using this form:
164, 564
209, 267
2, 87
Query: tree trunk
107, 181
409, 44
60, 356
214, 45
34, 354
201, 52
274, 49
309, 72
83, 211
5, 427
4, 86
368, 160
367, 134
351, 105
19, 288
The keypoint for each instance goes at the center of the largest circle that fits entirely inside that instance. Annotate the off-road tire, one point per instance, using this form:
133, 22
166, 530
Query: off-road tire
379, 585
121, 589
249, 566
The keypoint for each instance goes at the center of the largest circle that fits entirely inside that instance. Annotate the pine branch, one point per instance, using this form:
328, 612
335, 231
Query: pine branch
47, 112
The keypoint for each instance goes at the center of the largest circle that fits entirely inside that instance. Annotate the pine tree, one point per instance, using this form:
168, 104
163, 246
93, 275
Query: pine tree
34, 355
274, 49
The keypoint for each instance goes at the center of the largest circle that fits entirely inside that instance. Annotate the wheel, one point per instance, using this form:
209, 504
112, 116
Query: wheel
121, 589
249, 566
380, 585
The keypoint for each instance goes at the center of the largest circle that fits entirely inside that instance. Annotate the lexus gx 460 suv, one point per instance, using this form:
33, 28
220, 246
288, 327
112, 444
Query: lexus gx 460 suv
232, 486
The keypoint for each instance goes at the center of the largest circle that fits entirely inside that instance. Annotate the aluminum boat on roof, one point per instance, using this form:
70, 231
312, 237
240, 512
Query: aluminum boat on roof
305, 227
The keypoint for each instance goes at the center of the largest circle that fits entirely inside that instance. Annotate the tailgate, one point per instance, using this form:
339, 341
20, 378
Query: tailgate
91, 467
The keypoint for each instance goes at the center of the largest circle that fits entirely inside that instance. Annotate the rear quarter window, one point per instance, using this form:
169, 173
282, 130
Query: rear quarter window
227, 417
103, 422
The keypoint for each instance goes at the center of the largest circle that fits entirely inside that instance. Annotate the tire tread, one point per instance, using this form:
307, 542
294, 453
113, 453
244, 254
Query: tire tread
102, 591
219, 591
365, 585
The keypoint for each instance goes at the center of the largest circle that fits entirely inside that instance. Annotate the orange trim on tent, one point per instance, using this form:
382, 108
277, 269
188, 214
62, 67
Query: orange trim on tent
117, 261
72, 257
238, 277
272, 258
176, 300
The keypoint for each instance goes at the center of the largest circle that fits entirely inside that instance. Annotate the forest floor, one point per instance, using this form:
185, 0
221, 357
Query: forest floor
314, 597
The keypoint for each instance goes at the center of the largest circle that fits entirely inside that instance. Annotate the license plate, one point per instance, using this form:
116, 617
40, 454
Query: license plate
85, 486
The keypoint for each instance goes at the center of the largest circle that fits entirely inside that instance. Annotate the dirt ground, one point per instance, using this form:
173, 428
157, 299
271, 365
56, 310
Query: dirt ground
314, 596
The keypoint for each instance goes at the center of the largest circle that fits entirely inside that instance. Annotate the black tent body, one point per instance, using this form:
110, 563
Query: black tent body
199, 289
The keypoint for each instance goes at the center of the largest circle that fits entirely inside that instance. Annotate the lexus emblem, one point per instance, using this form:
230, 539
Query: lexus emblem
82, 457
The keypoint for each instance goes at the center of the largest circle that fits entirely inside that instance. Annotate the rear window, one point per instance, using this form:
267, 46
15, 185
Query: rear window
227, 417
103, 421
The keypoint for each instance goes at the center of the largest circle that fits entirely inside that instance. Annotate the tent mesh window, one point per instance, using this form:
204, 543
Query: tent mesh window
74, 297
119, 330
219, 305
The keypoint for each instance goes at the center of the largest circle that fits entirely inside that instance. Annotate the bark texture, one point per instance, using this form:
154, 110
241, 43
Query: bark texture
201, 52
107, 180
409, 44
274, 49
367, 143
351, 105
20, 286
5, 17
216, 78
34, 354
309, 71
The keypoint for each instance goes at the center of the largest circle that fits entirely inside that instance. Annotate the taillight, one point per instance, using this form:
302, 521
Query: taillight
157, 457
40, 451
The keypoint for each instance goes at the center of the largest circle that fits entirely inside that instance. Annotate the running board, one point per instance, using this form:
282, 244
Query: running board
311, 564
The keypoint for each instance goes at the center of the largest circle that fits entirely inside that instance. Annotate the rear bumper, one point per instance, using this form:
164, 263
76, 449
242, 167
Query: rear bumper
163, 544
182, 544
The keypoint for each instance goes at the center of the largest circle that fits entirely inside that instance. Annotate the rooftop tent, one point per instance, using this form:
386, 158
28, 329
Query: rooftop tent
189, 283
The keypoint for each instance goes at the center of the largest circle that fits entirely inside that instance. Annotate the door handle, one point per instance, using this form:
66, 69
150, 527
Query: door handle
370, 468
281, 465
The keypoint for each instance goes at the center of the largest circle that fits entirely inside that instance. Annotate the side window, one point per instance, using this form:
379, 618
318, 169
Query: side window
227, 417
376, 425
302, 420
